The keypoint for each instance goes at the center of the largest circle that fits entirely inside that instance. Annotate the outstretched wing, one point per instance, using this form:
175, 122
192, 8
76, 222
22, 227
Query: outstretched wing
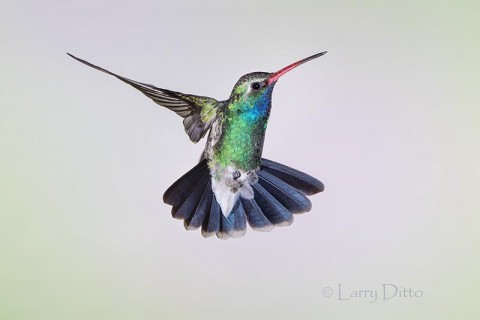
198, 112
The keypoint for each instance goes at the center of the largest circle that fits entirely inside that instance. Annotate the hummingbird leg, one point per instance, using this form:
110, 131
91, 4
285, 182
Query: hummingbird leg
236, 175
228, 184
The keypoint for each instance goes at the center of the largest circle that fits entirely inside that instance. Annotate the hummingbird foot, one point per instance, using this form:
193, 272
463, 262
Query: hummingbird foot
236, 175
229, 184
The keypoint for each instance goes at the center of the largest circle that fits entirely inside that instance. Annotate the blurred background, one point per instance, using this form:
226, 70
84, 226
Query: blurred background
388, 120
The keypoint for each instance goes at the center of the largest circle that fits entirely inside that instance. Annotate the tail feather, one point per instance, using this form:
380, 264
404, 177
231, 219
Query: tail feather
280, 192
235, 225
188, 207
271, 208
292, 199
297, 179
211, 224
256, 218
226, 226
182, 188
196, 219
240, 224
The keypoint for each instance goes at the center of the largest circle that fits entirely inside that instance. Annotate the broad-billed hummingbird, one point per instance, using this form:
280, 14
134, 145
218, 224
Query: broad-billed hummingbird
232, 183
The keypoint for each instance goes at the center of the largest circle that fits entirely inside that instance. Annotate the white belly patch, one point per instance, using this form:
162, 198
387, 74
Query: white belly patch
230, 184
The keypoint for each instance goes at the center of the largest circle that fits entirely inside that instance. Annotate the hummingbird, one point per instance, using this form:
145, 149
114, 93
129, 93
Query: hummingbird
232, 184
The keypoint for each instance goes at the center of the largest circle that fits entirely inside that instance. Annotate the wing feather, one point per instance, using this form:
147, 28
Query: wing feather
199, 112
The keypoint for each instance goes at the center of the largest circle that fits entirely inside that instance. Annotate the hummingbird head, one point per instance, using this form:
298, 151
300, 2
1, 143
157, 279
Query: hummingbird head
254, 90
250, 86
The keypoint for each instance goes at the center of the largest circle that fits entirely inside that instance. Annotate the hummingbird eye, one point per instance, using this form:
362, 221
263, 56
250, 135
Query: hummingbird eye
256, 86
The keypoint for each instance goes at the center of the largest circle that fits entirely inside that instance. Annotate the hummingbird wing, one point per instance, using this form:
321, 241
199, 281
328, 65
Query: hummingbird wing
198, 112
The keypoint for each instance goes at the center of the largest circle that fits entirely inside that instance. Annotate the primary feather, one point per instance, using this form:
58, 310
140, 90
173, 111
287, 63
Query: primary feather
198, 111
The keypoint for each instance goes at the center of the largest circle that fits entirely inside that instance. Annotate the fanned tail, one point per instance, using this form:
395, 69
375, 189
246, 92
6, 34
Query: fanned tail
281, 191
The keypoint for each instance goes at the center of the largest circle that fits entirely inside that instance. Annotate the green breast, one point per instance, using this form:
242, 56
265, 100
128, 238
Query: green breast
243, 133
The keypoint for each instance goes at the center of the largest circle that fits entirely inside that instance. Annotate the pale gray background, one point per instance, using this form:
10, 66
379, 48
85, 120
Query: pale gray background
388, 120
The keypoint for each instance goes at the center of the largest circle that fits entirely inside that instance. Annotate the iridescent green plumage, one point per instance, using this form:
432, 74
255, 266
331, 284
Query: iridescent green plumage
244, 123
